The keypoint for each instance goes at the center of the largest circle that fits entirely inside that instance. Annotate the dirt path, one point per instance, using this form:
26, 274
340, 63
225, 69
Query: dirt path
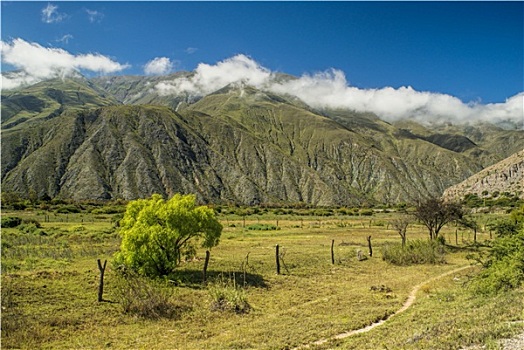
409, 301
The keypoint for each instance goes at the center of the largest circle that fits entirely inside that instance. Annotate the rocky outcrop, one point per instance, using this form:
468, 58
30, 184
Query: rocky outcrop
505, 176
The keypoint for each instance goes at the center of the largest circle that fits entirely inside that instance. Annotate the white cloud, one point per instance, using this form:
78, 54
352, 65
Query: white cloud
209, 78
94, 16
50, 14
191, 50
158, 66
330, 89
37, 63
65, 39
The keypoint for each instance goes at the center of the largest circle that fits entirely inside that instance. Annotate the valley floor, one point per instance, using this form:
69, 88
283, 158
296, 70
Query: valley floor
50, 284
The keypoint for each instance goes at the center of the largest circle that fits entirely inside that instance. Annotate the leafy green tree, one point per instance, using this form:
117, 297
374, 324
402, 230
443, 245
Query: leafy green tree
156, 233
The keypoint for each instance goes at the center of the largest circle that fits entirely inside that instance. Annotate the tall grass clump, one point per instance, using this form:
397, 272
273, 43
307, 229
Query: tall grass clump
226, 296
144, 297
415, 252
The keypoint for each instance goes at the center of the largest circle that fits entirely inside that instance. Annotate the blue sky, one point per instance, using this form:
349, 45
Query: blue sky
470, 50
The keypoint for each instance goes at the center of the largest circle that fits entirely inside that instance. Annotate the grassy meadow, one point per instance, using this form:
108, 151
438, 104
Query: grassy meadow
50, 282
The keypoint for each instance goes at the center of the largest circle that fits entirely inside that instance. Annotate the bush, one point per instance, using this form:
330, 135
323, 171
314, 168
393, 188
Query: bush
227, 297
262, 227
505, 228
19, 206
11, 221
68, 209
415, 252
504, 268
27, 228
109, 210
31, 228
32, 221
143, 297
366, 212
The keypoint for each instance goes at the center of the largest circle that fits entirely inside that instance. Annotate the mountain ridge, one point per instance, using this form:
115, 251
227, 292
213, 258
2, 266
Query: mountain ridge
238, 145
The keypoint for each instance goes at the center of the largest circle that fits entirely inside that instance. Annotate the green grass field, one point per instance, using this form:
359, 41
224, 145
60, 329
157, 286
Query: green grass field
50, 284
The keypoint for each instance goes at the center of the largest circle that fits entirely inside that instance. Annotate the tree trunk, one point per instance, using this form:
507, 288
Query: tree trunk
369, 246
206, 263
332, 252
277, 258
102, 269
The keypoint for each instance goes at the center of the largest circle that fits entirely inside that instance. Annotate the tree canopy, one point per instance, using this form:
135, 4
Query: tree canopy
157, 233
435, 213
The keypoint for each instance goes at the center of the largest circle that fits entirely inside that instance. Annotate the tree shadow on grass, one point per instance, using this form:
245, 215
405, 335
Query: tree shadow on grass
194, 278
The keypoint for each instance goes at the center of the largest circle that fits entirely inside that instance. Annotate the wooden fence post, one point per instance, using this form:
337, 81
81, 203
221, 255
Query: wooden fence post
332, 252
102, 269
369, 246
277, 257
206, 263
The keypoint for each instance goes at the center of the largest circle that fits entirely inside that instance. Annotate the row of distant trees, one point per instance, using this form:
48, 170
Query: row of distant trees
156, 233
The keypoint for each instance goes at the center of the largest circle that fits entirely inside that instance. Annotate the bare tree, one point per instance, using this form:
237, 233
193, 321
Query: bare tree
400, 224
435, 214
471, 223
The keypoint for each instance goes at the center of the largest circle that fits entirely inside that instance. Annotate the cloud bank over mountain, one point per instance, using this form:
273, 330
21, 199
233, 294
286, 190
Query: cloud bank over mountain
330, 89
36, 63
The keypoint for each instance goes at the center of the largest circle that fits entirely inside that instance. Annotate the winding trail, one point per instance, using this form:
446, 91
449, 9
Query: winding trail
409, 301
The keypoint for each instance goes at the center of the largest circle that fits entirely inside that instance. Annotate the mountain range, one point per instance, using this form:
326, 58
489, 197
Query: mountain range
118, 137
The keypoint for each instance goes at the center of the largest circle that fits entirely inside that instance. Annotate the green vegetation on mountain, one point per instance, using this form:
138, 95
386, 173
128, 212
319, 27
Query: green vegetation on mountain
74, 139
49, 99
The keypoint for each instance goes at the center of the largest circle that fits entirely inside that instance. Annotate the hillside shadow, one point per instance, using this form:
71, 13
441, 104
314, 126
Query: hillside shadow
194, 278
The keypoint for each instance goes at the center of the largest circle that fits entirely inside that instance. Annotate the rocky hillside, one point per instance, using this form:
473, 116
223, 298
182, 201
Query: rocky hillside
115, 138
505, 176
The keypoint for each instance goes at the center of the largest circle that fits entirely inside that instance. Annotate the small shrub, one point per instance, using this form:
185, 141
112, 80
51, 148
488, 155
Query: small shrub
32, 221
415, 252
11, 221
28, 228
227, 297
366, 212
78, 228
